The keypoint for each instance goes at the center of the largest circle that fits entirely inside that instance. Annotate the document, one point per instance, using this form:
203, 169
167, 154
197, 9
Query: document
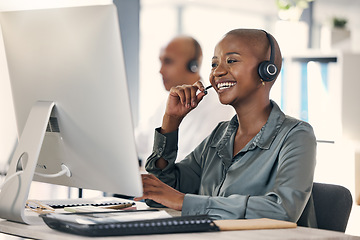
113, 216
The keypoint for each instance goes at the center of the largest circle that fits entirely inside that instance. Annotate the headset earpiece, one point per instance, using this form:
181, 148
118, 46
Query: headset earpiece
267, 70
193, 66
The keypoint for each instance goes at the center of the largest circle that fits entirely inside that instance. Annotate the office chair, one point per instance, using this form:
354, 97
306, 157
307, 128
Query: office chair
332, 206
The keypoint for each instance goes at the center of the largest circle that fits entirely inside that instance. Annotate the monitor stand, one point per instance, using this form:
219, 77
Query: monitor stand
15, 191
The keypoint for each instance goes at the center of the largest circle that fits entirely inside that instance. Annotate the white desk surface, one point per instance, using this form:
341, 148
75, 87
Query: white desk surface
10, 229
44, 232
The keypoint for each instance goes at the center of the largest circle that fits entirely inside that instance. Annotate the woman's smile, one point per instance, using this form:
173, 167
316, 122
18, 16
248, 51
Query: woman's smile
225, 85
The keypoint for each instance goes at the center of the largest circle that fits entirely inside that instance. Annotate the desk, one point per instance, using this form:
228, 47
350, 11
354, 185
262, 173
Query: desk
44, 232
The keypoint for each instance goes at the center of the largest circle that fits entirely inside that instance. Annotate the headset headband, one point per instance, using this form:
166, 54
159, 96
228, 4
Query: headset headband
272, 52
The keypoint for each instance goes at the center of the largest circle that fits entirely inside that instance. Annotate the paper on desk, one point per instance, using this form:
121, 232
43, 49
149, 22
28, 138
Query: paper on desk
135, 216
252, 224
95, 209
92, 218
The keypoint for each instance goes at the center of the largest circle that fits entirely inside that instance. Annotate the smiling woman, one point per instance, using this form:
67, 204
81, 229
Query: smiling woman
233, 60
259, 164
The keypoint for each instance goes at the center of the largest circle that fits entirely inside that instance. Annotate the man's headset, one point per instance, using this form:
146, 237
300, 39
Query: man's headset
267, 69
193, 64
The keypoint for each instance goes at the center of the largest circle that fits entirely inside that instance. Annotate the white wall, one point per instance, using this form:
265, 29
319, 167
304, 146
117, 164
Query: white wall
325, 10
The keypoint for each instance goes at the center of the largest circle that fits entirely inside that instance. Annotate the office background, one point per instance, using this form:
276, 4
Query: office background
310, 91
310, 86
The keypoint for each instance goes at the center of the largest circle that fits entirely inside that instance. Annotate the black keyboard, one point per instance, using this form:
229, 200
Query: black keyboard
96, 202
183, 224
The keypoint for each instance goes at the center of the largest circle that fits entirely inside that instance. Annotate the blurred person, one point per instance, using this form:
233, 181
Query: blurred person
181, 60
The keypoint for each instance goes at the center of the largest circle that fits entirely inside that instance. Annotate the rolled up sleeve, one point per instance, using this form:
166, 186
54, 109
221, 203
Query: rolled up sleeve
183, 176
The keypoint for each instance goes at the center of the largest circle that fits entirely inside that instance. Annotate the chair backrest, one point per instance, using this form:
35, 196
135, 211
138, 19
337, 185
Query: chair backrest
332, 206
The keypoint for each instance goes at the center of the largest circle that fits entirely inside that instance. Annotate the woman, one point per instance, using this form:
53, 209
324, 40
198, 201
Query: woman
259, 164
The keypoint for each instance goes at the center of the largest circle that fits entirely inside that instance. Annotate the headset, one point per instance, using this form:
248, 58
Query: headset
267, 70
193, 65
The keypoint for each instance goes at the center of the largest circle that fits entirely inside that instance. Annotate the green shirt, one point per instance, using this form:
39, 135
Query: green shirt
271, 177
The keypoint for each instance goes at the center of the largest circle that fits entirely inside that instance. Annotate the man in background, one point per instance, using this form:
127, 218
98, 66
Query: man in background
180, 61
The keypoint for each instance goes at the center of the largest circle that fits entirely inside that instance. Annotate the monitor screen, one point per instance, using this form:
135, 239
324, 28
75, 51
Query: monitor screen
71, 59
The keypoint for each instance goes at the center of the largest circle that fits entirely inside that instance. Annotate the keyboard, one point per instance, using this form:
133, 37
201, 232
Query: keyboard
183, 224
96, 202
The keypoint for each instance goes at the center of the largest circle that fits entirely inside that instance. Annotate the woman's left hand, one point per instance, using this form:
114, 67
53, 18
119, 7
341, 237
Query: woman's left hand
160, 192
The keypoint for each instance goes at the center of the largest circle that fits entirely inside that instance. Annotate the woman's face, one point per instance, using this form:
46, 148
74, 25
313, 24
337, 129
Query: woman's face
234, 70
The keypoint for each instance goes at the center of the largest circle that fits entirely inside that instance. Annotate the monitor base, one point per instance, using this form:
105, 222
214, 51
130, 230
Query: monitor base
15, 191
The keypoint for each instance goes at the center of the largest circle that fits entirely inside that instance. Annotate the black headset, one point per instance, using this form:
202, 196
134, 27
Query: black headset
193, 65
267, 69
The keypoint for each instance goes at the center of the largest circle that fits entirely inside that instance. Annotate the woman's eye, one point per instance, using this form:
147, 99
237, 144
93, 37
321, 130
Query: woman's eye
231, 60
213, 65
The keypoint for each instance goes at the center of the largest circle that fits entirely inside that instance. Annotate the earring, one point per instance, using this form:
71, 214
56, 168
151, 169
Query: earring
262, 82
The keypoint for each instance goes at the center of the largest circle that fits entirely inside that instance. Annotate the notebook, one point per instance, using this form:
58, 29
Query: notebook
81, 224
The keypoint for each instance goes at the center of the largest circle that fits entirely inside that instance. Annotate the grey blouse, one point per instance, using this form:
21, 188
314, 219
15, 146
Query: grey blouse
271, 177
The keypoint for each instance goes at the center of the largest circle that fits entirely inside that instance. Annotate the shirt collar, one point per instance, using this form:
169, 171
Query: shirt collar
271, 128
265, 136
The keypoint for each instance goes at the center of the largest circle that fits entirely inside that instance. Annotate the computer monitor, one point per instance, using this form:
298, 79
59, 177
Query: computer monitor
71, 103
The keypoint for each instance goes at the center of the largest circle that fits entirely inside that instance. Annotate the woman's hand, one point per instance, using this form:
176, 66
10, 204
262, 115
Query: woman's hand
160, 192
182, 99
